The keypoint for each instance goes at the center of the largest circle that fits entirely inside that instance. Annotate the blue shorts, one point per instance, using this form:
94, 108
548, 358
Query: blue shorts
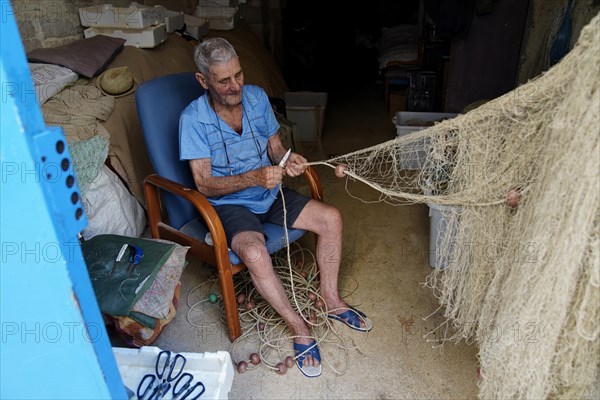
236, 219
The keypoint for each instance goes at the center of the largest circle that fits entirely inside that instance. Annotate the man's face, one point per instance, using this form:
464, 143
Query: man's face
225, 82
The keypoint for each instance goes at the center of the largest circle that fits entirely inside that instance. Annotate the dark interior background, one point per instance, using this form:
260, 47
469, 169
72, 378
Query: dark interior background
327, 50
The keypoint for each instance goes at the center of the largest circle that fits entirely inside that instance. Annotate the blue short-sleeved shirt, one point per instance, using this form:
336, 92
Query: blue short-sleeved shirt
203, 134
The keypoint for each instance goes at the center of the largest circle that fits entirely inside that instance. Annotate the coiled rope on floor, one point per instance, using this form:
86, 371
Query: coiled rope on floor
264, 331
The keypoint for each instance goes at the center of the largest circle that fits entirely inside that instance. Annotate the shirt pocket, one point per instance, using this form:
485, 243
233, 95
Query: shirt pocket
258, 125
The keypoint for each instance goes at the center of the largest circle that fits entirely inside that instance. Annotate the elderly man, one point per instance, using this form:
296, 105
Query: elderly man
229, 135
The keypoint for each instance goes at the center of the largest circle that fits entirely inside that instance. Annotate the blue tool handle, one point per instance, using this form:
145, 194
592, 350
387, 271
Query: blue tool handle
142, 393
160, 372
193, 391
137, 257
185, 379
186, 390
170, 376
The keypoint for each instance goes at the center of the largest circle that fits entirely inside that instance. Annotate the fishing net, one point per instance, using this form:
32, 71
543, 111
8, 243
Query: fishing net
518, 181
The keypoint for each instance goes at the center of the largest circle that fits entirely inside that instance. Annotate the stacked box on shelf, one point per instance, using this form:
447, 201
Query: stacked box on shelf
141, 26
149, 37
174, 20
197, 27
132, 17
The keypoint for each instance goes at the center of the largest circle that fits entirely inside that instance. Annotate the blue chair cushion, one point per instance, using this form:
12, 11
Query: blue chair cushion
274, 236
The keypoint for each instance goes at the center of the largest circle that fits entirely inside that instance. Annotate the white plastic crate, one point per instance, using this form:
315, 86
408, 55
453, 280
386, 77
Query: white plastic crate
307, 110
145, 38
214, 370
132, 17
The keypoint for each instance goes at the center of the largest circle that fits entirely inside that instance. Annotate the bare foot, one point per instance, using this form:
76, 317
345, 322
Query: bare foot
303, 336
338, 306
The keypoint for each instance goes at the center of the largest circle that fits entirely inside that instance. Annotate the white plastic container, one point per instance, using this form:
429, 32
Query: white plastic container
132, 17
145, 38
307, 110
403, 118
214, 370
438, 229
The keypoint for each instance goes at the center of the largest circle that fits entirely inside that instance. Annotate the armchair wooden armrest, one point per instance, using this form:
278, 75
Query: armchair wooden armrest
213, 254
217, 254
316, 191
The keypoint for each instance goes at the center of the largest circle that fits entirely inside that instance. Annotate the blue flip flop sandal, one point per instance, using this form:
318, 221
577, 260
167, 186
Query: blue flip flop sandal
304, 350
353, 318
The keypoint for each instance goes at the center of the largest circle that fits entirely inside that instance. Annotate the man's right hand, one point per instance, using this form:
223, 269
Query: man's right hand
267, 177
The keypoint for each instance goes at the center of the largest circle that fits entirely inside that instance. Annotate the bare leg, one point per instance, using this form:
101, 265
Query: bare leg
326, 222
251, 248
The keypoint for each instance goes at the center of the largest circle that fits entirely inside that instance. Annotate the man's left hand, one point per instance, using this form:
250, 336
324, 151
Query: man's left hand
296, 165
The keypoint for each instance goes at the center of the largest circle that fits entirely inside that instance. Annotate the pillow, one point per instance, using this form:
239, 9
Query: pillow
49, 79
87, 57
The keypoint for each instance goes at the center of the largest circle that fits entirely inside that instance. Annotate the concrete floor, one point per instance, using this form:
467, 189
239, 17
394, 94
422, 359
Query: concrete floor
386, 252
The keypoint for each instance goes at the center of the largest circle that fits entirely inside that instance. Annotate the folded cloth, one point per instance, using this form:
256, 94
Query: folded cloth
49, 79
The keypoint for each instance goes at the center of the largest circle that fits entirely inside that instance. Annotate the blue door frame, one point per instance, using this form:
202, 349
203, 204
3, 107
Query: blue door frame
53, 340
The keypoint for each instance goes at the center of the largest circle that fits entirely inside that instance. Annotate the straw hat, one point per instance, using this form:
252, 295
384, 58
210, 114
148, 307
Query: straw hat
116, 82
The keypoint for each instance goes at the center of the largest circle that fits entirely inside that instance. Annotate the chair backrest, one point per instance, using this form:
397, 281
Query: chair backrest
160, 101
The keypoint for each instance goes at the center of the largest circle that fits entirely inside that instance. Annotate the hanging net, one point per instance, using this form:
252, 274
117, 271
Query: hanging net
518, 179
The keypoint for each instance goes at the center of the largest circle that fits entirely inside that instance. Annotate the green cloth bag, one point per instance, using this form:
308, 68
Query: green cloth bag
116, 291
